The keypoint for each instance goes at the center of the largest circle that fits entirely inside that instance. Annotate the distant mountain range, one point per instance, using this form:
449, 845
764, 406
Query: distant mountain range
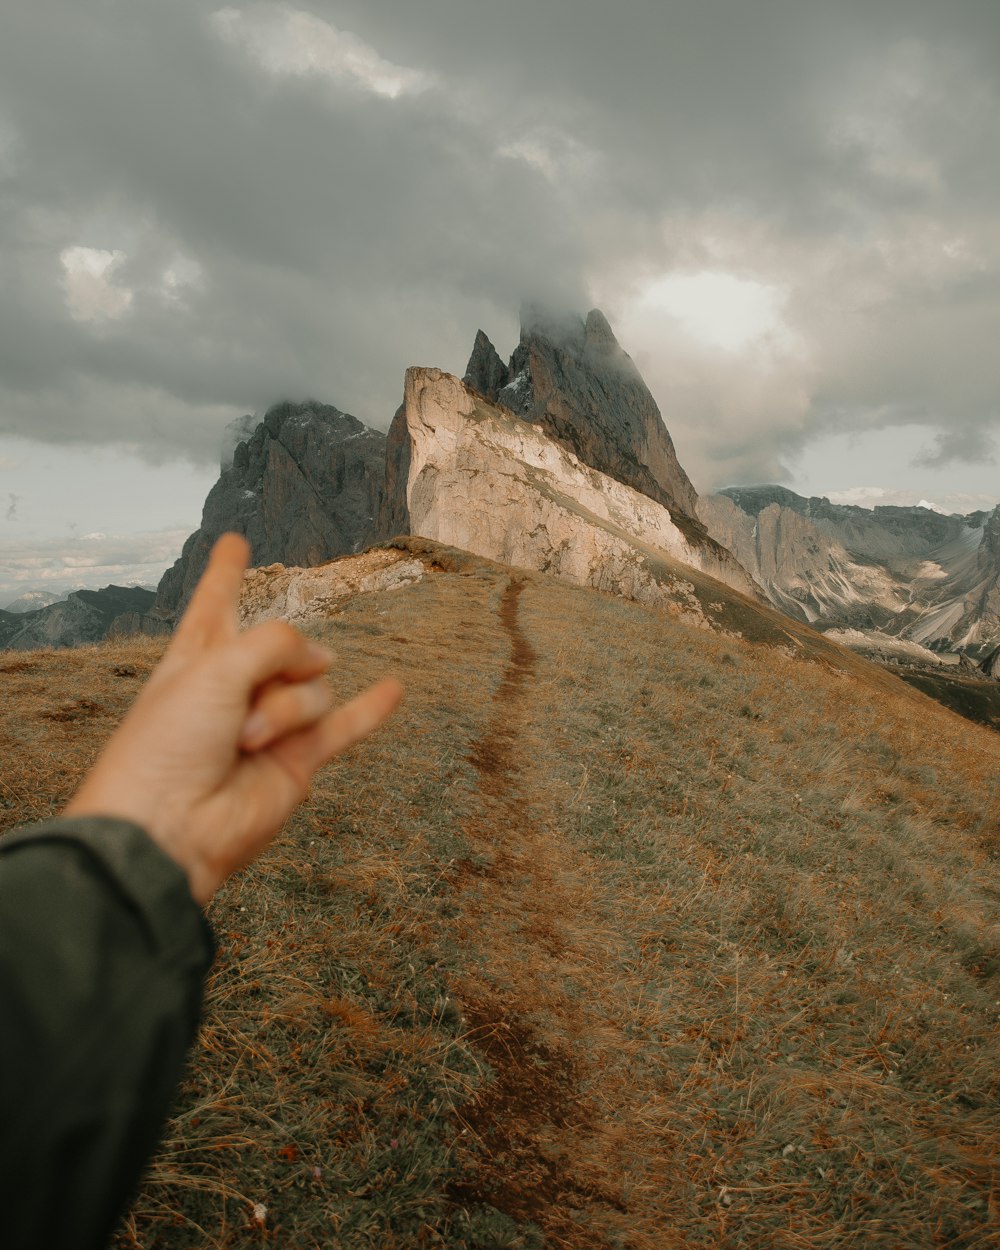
890, 573
83, 616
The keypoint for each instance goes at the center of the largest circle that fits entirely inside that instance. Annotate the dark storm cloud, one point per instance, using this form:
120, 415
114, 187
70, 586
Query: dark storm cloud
970, 446
337, 235
252, 232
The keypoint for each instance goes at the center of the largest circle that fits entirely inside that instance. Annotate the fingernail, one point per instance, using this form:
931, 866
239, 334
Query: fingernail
320, 654
255, 730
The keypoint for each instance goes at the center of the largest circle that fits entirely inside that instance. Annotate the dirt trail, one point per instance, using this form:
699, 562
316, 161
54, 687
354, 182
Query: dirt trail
494, 755
545, 1143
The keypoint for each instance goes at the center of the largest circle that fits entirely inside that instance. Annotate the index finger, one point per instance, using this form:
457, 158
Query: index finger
212, 615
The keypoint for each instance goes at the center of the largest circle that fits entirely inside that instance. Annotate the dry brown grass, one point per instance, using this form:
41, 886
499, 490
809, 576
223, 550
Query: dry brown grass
621, 934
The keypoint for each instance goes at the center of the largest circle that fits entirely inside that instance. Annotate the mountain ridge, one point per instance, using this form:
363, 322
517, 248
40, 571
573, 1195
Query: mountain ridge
910, 573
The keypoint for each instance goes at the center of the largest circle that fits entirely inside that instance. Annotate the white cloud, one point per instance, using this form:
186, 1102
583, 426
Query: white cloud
92, 561
881, 496
717, 308
91, 294
287, 41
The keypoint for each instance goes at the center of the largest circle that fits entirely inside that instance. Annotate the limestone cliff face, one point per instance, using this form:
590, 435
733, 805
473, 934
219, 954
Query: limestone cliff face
485, 481
909, 573
570, 379
305, 488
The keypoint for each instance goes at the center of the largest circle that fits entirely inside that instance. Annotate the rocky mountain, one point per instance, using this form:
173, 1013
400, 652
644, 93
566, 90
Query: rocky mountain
83, 616
906, 573
306, 486
32, 600
238, 431
570, 380
484, 480
570, 377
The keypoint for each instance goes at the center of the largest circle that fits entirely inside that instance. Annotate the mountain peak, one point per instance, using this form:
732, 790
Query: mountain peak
570, 376
598, 330
486, 372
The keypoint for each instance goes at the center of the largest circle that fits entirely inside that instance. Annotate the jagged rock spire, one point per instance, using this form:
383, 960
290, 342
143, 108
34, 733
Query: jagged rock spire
570, 376
486, 372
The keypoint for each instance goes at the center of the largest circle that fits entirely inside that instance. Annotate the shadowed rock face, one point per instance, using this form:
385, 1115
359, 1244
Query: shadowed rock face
486, 372
394, 515
306, 487
238, 431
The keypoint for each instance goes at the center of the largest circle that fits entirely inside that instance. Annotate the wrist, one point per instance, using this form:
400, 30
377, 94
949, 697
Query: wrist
202, 882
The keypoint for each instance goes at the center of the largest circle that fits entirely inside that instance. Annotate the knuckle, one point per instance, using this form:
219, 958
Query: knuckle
313, 698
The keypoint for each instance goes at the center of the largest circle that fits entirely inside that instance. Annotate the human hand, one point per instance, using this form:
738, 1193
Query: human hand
221, 743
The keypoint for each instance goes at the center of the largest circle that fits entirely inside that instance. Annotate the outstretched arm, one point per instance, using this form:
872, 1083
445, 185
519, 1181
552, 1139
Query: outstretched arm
103, 949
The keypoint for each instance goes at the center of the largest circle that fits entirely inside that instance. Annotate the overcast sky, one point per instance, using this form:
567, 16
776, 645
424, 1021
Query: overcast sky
787, 208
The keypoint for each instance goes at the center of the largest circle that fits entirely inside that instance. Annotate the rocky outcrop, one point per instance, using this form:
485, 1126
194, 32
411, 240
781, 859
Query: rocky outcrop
483, 480
130, 624
83, 616
569, 378
990, 666
238, 431
301, 595
306, 487
910, 573
486, 372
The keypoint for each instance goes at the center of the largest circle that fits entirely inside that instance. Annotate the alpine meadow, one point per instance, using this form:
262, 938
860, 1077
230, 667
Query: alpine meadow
623, 933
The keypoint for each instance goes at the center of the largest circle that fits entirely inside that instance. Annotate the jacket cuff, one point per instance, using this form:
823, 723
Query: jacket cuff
153, 886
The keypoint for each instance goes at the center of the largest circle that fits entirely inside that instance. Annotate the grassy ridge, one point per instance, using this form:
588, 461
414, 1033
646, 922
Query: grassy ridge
621, 934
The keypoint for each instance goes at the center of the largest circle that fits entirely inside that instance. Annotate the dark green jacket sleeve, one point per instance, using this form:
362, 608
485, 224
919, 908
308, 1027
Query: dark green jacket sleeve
103, 954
